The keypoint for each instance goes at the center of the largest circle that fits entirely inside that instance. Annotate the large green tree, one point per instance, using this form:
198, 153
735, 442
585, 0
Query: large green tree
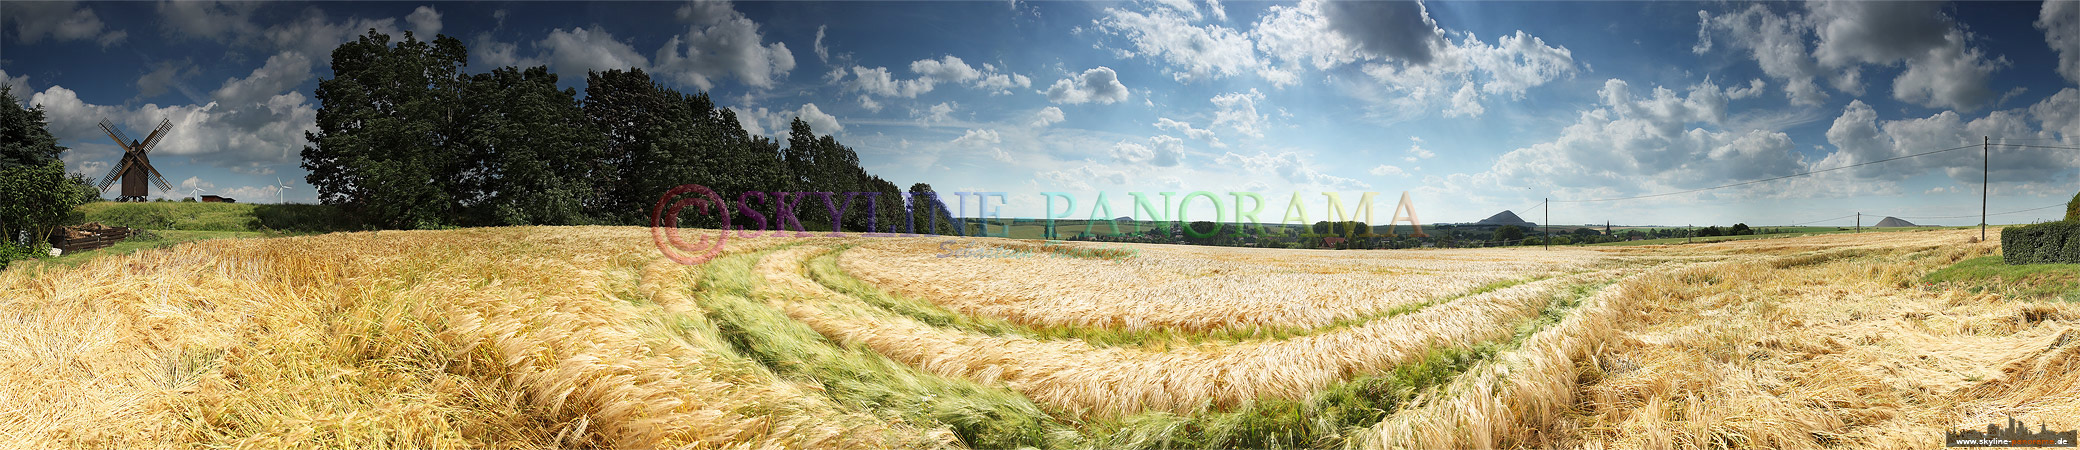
385, 147
36, 195
528, 151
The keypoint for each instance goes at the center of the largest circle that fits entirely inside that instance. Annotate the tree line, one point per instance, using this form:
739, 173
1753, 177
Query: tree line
406, 139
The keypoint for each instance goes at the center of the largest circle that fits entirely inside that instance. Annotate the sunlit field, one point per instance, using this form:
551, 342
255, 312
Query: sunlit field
588, 337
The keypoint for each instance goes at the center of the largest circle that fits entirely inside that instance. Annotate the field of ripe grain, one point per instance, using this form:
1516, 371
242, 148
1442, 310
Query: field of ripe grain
588, 337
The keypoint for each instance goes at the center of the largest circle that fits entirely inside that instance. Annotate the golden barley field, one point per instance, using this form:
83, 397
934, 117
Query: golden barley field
589, 337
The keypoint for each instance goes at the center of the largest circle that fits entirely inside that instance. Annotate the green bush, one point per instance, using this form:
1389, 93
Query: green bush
2044, 243
2073, 208
9, 252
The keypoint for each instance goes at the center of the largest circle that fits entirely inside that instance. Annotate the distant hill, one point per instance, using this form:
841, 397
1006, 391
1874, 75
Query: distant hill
1504, 218
1891, 222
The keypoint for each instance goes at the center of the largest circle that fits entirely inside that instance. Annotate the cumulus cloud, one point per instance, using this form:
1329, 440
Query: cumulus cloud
1238, 111
575, 52
1165, 123
930, 72
1048, 116
939, 113
1859, 137
226, 135
818, 120
425, 22
1191, 53
979, 138
1394, 30
1943, 68
721, 42
1160, 151
489, 52
1630, 143
1384, 170
1099, 84
2061, 24
282, 72
59, 21
19, 83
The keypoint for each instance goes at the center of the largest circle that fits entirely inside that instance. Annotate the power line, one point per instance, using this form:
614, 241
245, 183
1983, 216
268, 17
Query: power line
1745, 183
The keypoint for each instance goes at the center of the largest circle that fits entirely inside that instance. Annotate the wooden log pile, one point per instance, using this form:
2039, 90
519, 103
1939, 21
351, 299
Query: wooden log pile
91, 236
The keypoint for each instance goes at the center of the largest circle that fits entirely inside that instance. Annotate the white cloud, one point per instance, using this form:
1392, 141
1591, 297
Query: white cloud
1776, 42
167, 75
1098, 84
721, 42
1860, 137
1630, 144
869, 103
1161, 151
19, 83
879, 81
823, 54
282, 72
2060, 113
425, 21
1385, 170
947, 68
2061, 24
978, 138
931, 72
263, 133
580, 50
1192, 53
1048, 116
1238, 111
492, 53
60, 21
1943, 69
1950, 76
1165, 123
822, 123
315, 34
1416, 150
939, 113
1465, 102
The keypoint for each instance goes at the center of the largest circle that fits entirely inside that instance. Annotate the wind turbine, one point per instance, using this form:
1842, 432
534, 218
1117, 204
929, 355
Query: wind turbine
196, 193
280, 190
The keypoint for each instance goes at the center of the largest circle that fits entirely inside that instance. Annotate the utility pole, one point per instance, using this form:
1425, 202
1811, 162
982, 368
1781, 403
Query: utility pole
1548, 206
1859, 222
1985, 175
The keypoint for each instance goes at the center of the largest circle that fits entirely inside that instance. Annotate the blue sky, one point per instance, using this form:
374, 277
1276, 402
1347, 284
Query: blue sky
1470, 107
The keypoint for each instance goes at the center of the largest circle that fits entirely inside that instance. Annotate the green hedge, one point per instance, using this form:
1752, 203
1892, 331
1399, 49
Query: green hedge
2044, 243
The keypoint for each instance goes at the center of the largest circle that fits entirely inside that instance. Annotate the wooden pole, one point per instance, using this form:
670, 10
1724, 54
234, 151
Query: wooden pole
1548, 206
1985, 175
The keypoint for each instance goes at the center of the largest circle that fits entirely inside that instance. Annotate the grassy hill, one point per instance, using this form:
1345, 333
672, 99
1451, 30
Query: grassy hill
219, 217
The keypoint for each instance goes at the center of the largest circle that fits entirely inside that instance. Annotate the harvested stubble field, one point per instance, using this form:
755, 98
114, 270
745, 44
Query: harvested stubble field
590, 338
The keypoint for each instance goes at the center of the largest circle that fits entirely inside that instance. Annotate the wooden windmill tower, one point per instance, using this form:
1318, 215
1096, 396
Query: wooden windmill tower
135, 167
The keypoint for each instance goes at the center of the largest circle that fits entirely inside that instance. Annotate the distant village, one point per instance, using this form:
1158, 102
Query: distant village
1500, 230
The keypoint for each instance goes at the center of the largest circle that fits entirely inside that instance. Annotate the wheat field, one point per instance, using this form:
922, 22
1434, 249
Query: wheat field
589, 337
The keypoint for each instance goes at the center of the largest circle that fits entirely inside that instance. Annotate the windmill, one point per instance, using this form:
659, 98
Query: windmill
280, 190
135, 168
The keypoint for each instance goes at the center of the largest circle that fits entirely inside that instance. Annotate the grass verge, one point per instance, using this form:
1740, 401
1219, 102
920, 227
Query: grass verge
1989, 274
